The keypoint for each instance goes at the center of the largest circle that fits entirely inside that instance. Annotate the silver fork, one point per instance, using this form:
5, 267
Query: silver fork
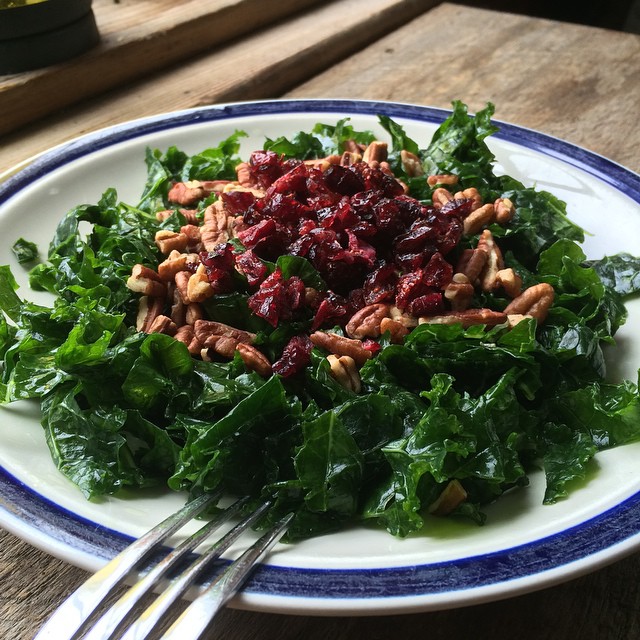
80, 615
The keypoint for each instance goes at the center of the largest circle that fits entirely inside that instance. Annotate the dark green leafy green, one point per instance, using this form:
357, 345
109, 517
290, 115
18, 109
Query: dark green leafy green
472, 408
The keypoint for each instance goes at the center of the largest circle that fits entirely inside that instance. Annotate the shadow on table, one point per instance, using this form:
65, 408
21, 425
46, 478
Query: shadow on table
621, 15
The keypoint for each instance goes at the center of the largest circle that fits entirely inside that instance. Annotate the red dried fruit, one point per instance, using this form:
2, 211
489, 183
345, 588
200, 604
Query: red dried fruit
295, 356
252, 267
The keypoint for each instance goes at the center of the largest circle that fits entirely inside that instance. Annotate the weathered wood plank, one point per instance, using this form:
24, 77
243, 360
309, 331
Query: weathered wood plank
262, 65
137, 38
574, 82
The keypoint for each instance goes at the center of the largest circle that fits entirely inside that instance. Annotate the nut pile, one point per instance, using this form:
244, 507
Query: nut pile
386, 259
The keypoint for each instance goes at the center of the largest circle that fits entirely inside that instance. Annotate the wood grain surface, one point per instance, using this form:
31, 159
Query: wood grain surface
262, 65
137, 37
578, 83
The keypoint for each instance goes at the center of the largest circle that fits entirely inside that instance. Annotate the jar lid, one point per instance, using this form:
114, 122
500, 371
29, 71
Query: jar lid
49, 47
18, 20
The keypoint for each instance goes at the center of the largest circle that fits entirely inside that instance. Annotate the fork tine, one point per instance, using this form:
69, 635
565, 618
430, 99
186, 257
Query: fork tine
152, 616
72, 616
197, 617
111, 620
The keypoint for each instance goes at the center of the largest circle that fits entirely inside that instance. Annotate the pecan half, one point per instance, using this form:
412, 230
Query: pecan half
186, 335
478, 218
534, 302
254, 360
471, 264
341, 346
209, 331
214, 227
411, 164
187, 193
468, 317
149, 308
146, 281
442, 178
495, 261
509, 281
505, 210
441, 196
162, 324
168, 241
365, 323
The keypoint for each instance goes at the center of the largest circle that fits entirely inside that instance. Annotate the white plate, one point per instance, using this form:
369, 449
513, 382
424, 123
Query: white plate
523, 546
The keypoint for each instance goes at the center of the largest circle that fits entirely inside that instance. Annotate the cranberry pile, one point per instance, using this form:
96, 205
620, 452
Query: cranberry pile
369, 241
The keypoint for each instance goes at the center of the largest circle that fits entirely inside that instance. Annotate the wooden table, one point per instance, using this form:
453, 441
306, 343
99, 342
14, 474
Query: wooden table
578, 83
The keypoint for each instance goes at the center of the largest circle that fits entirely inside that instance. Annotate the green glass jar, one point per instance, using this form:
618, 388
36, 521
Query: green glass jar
38, 33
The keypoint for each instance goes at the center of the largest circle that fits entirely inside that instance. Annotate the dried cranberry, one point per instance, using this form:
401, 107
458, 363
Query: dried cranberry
380, 285
295, 356
253, 268
294, 180
238, 202
371, 345
437, 273
361, 251
409, 287
338, 217
332, 310
265, 167
221, 257
277, 298
343, 180
428, 304
250, 236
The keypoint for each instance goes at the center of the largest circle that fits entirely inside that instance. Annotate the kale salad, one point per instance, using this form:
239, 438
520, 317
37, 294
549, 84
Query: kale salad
363, 330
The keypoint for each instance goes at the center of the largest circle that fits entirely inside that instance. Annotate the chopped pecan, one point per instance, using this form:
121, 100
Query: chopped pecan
452, 495
365, 323
214, 227
174, 263
349, 158
509, 281
396, 330
459, 292
187, 193
442, 178
207, 331
146, 281
345, 371
375, 153
341, 346
468, 317
193, 313
505, 210
189, 214
186, 335
471, 263
470, 194
168, 241
192, 233
253, 359
411, 164
198, 286
441, 196
162, 324
181, 282
149, 308
534, 302
478, 218
405, 319
223, 345
495, 261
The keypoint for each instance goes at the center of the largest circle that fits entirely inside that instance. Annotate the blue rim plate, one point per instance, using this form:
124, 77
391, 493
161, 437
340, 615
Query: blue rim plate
524, 546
